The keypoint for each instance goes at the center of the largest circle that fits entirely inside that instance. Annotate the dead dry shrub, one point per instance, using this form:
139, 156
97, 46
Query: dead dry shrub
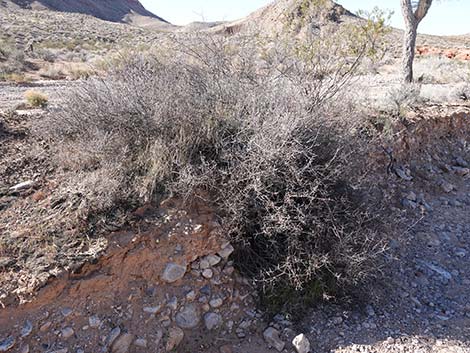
263, 133
36, 99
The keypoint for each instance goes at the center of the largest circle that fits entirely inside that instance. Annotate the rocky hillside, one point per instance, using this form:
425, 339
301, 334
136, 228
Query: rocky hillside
109, 10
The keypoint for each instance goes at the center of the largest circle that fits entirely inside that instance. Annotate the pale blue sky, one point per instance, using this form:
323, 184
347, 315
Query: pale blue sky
445, 17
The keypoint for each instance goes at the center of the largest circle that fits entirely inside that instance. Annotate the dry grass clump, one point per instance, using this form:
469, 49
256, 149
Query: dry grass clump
261, 136
36, 99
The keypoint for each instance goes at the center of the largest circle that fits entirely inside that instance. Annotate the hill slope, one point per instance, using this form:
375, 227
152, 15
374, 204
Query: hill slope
109, 10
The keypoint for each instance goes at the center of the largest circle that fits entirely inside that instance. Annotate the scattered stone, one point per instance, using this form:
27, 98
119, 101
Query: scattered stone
461, 171
225, 349
370, 310
115, 332
301, 343
66, 312
271, 336
45, 326
207, 273
22, 186
213, 259
27, 329
188, 317
212, 320
403, 173
7, 344
175, 336
446, 186
172, 303
204, 264
158, 337
226, 251
173, 272
440, 271
216, 303
205, 290
122, 344
25, 349
67, 332
94, 321
191, 295
152, 309
459, 161
62, 350
141, 342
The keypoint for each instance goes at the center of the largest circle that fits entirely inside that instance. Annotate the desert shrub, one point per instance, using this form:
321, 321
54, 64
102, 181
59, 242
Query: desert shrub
54, 71
263, 135
45, 54
36, 99
11, 60
404, 97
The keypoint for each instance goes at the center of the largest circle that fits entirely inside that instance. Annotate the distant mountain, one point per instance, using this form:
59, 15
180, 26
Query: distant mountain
109, 10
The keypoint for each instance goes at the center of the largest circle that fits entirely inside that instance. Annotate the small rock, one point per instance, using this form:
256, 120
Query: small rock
271, 336
66, 312
25, 349
173, 272
62, 350
225, 349
213, 259
122, 344
212, 320
216, 303
207, 273
446, 186
175, 336
403, 173
188, 317
301, 343
440, 271
27, 329
158, 337
45, 326
22, 186
461, 171
7, 344
67, 332
115, 332
411, 196
226, 251
94, 321
204, 264
459, 161
191, 295
141, 342
172, 303
152, 309
370, 310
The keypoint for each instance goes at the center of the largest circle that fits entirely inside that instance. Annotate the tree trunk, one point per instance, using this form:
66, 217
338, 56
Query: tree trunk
411, 30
